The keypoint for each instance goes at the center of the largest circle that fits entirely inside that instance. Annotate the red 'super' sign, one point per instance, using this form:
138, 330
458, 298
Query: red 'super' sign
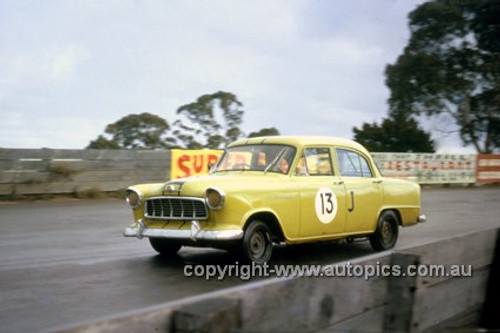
187, 163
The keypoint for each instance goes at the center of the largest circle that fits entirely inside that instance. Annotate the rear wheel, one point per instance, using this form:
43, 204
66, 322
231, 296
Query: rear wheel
386, 234
257, 243
165, 247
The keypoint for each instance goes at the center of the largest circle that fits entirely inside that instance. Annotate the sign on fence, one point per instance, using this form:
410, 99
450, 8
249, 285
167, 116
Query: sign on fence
488, 168
428, 168
188, 163
421, 168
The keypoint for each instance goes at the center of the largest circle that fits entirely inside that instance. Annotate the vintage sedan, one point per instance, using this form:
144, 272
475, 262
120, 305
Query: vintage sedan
276, 189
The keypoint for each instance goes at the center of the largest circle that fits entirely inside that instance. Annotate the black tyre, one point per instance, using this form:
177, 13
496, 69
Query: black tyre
165, 247
386, 234
257, 243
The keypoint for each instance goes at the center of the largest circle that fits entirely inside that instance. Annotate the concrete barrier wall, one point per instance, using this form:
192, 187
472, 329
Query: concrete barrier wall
46, 171
42, 171
339, 304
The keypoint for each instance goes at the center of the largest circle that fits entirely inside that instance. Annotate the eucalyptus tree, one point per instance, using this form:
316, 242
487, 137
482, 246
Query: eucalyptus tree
451, 66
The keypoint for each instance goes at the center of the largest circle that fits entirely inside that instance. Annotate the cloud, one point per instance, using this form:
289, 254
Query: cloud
65, 61
300, 66
41, 66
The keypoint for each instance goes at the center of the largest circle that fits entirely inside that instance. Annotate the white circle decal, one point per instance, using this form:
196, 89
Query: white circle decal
326, 205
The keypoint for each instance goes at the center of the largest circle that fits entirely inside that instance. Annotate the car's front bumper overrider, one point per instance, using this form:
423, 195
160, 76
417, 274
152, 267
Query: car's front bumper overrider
194, 233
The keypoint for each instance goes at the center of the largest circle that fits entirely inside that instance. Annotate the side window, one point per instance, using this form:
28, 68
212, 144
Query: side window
365, 168
315, 162
349, 163
352, 164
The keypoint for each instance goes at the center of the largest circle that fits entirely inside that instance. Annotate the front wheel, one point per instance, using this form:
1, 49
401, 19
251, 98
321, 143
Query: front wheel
257, 243
386, 234
165, 247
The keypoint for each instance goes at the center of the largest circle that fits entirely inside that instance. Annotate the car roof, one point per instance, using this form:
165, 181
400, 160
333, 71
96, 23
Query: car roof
300, 141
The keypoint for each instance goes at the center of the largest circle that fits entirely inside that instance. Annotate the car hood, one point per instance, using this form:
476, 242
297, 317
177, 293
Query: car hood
227, 182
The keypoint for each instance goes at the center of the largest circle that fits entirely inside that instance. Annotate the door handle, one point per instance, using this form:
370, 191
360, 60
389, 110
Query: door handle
340, 182
352, 203
377, 181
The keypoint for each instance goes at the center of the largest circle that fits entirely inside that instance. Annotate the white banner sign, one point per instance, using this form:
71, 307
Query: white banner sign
428, 168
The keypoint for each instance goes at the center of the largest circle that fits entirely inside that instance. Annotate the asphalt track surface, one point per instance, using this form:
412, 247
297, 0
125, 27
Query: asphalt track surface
65, 263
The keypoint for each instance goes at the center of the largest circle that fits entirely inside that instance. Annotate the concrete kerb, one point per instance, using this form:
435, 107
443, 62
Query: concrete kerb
328, 304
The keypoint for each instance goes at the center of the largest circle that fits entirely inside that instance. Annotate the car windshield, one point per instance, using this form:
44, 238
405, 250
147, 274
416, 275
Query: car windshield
261, 157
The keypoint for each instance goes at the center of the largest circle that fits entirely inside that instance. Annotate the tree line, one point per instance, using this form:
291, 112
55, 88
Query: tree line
448, 74
212, 121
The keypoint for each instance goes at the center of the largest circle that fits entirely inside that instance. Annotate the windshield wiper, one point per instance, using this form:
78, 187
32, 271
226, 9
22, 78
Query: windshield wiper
275, 159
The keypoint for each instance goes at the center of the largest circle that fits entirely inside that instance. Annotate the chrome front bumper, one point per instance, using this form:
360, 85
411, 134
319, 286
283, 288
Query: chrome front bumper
195, 233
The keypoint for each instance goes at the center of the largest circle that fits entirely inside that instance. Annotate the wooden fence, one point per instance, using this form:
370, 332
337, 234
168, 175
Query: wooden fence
48, 171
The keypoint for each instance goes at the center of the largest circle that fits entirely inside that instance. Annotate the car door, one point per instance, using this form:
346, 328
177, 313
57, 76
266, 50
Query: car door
364, 192
321, 193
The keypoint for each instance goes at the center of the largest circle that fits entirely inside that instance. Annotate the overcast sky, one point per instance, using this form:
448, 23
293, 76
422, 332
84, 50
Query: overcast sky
68, 68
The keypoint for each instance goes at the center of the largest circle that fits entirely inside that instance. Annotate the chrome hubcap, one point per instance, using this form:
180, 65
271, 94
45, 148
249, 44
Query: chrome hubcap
257, 244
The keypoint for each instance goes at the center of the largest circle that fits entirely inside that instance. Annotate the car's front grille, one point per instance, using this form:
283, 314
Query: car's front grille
176, 208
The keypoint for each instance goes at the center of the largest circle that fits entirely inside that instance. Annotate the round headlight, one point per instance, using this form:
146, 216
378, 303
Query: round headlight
215, 198
133, 197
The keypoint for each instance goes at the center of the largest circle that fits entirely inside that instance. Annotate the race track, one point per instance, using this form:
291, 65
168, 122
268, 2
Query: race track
64, 263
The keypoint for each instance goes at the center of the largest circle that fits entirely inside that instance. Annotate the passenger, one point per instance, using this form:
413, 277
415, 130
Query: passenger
284, 165
301, 169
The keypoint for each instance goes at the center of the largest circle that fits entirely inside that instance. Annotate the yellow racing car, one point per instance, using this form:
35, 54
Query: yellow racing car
276, 189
